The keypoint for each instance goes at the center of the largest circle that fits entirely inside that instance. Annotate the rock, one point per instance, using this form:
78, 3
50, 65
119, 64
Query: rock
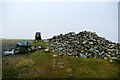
47, 44
69, 54
68, 70
54, 55
109, 56
59, 63
47, 50
53, 50
111, 60
29, 50
90, 43
60, 49
6, 63
53, 65
85, 44
91, 49
40, 47
46, 40
33, 48
9, 52
36, 47
105, 57
24, 68
70, 75
16, 51
102, 56
83, 56
61, 66
117, 53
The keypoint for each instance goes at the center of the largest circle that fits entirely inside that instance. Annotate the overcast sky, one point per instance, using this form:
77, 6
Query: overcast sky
22, 20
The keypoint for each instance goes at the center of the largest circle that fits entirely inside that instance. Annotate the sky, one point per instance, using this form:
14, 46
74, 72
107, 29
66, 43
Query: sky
119, 22
22, 20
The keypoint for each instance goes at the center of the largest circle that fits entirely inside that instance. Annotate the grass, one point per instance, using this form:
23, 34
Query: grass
44, 66
43, 44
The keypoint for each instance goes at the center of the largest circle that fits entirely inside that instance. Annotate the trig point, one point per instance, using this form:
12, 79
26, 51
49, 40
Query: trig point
38, 36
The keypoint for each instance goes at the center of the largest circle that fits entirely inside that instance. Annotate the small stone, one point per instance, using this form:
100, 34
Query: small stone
33, 48
70, 75
68, 70
84, 42
111, 60
109, 56
24, 68
47, 44
105, 57
69, 54
117, 53
59, 63
54, 55
47, 50
60, 49
39, 47
6, 63
61, 66
46, 40
90, 43
83, 56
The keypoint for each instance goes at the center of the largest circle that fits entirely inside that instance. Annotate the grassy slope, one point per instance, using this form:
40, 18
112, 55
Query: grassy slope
43, 67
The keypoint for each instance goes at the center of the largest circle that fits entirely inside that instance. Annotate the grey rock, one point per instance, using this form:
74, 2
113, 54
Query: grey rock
111, 60
60, 49
54, 55
90, 43
85, 42
47, 50
39, 47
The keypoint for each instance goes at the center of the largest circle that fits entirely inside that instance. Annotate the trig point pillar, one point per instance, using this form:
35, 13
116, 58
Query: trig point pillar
38, 36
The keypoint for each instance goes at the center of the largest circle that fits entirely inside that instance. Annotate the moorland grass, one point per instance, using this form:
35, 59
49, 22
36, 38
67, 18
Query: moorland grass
43, 66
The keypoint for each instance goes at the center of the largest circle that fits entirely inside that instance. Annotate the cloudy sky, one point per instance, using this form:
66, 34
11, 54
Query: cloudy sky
21, 20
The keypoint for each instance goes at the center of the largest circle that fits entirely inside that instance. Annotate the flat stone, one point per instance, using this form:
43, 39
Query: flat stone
54, 55
111, 60
47, 50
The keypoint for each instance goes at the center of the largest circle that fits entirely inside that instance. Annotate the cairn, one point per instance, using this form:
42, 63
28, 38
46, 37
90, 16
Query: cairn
85, 44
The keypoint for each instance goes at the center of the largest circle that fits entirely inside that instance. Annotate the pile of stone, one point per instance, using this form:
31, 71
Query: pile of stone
85, 44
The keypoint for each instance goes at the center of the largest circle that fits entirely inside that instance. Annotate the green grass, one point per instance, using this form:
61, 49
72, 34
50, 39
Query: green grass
43, 44
43, 66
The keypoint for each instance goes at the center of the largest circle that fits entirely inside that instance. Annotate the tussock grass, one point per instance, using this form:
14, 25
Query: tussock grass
25, 63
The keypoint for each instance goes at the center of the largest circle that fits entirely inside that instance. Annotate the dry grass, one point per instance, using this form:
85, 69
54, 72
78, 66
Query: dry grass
25, 63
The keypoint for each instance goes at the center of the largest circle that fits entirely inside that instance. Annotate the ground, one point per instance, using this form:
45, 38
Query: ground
39, 64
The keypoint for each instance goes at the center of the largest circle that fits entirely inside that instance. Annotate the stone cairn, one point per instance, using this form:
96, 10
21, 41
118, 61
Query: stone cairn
85, 44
